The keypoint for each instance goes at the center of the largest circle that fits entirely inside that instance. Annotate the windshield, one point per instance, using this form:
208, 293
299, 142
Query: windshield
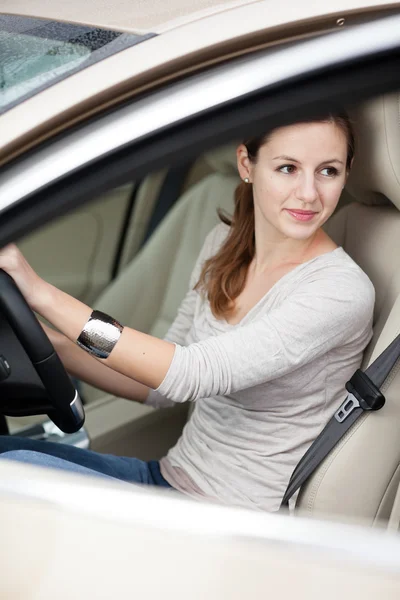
35, 53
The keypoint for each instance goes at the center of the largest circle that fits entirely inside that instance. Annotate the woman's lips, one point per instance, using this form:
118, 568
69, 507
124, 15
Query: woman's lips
301, 215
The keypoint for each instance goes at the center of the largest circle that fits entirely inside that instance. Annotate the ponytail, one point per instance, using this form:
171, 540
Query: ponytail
224, 275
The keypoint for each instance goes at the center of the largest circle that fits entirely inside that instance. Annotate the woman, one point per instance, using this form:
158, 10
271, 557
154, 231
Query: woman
274, 323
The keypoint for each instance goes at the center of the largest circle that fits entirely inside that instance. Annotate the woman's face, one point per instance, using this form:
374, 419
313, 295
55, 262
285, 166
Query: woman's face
297, 179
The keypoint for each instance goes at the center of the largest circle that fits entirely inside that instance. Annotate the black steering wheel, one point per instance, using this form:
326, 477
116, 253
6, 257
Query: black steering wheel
33, 379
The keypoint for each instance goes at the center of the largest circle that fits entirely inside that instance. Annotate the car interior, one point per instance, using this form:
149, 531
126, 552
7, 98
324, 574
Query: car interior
131, 256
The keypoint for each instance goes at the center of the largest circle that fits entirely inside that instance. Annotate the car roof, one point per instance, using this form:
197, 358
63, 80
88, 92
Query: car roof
191, 35
135, 16
158, 16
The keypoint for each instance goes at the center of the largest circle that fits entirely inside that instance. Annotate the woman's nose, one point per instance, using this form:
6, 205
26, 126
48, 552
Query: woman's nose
306, 189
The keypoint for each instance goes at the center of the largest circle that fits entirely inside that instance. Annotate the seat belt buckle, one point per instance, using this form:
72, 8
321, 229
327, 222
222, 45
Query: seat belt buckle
363, 394
368, 395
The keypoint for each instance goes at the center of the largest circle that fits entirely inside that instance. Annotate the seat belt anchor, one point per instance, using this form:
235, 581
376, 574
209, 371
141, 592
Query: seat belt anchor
363, 394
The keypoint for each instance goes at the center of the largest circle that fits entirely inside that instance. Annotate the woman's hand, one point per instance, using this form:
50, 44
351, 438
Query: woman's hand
138, 356
28, 281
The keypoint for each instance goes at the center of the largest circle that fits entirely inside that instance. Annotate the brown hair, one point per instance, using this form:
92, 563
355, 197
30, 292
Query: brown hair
223, 276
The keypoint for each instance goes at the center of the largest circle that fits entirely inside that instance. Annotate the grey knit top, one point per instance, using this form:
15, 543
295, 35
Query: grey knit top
263, 388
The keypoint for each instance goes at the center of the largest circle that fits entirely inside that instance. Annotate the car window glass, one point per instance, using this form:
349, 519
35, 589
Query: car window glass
35, 53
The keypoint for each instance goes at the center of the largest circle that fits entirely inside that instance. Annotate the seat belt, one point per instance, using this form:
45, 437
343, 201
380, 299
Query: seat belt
363, 395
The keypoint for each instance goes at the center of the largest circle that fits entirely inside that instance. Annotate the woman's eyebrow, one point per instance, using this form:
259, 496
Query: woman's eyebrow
291, 159
284, 157
333, 160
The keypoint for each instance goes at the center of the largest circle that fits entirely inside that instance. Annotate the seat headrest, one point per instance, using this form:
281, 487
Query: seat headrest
375, 176
223, 159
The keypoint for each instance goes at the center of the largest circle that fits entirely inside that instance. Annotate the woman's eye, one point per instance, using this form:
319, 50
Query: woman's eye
329, 171
288, 169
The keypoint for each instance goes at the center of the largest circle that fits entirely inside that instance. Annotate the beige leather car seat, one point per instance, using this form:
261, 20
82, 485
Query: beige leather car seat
360, 477
147, 293
146, 199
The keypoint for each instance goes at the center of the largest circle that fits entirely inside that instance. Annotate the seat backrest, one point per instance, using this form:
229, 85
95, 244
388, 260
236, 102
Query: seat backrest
371, 236
360, 477
147, 293
146, 199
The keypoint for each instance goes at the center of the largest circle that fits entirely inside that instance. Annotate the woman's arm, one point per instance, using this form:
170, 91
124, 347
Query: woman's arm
84, 367
329, 308
81, 365
139, 356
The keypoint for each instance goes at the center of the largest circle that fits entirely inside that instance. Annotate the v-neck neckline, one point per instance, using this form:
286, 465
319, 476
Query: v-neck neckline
276, 284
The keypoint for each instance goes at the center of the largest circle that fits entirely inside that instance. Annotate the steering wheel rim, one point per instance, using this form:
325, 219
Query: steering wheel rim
67, 409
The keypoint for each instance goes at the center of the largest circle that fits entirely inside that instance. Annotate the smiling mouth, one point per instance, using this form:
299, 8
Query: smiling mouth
301, 215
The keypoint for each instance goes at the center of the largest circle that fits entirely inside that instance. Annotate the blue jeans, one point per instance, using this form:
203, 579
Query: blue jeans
78, 460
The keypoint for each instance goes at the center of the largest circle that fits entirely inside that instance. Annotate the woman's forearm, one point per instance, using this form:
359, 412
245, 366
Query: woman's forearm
81, 365
140, 357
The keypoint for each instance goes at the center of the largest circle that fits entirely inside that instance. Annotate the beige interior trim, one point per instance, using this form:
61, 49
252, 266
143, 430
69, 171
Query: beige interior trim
394, 520
127, 428
390, 504
83, 245
375, 176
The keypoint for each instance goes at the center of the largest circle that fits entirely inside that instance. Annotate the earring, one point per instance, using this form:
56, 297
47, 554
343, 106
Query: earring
246, 180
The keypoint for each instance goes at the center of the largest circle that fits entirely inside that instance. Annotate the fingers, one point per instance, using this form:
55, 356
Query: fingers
13, 262
10, 258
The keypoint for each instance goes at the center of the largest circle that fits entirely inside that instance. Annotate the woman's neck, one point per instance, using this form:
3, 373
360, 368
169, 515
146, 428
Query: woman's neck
287, 251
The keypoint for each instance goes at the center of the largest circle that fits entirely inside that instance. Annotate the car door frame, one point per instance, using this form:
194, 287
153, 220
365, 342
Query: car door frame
242, 97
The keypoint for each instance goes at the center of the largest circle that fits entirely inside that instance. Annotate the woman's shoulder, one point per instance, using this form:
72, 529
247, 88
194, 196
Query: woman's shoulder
342, 262
215, 239
211, 245
338, 271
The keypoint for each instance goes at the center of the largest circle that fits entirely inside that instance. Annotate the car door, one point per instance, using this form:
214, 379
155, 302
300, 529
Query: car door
264, 95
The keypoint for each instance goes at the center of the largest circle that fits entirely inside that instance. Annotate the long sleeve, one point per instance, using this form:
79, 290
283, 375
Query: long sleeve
176, 334
330, 307
179, 329
182, 323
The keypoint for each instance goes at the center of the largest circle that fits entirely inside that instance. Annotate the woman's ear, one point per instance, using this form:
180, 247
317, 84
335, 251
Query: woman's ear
348, 169
243, 162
